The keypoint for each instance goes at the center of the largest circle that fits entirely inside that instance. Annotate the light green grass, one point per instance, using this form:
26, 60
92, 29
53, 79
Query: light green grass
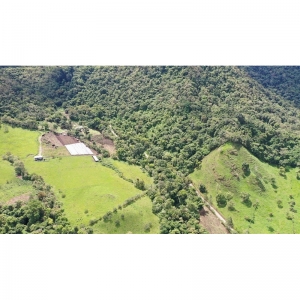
88, 186
90, 189
216, 173
131, 171
136, 216
7, 171
14, 188
19, 142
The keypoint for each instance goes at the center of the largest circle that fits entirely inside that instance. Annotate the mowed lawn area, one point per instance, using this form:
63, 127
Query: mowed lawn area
221, 172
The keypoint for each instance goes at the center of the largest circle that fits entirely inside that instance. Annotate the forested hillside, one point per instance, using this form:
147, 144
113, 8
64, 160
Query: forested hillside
284, 80
166, 118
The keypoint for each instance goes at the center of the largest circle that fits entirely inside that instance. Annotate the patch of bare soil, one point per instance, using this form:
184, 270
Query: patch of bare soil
22, 198
66, 139
51, 138
106, 143
211, 223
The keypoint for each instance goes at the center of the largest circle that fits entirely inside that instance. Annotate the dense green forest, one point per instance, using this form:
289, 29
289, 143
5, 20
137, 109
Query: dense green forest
166, 118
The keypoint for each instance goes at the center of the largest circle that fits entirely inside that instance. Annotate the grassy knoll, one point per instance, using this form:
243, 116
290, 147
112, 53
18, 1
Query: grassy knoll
90, 189
135, 219
222, 173
131, 171
18, 141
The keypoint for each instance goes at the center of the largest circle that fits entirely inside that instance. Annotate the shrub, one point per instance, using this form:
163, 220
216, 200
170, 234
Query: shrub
202, 188
221, 200
93, 222
231, 206
147, 227
279, 203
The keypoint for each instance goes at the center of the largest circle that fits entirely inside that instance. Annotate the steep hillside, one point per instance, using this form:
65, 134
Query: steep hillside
164, 119
258, 197
283, 80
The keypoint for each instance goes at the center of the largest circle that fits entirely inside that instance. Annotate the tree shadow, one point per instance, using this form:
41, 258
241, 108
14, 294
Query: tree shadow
236, 146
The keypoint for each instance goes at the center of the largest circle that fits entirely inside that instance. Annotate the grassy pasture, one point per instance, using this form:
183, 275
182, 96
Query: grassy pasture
131, 171
19, 142
221, 172
87, 189
14, 188
136, 216
90, 189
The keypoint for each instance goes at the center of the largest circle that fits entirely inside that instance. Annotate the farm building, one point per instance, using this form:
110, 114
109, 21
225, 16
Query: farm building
38, 157
95, 158
79, 149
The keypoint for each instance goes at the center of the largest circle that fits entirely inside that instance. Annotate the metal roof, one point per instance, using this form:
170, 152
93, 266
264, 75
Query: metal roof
79, 149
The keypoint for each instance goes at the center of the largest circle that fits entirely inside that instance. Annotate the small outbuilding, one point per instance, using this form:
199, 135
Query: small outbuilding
38, 158
95, 158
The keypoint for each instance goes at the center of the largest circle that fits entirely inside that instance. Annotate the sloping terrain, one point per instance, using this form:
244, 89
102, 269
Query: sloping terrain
258, 197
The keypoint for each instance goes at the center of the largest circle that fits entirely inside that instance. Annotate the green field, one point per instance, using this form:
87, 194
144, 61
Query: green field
221, 172
136, 216
14, 188
131, 171
90, 189
87, 189
21, 143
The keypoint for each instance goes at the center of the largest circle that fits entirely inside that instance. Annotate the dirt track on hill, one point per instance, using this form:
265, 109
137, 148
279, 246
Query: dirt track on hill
213, 213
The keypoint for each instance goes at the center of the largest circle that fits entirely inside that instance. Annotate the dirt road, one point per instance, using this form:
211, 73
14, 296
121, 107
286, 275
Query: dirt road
40, 145
211, 208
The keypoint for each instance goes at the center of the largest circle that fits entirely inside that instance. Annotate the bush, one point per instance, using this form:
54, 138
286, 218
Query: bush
93, 222
221, 200
279, 203
147, 227
202, 188
231, 206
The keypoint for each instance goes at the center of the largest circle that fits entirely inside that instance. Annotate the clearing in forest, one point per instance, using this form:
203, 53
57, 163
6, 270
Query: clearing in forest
87, 189
258, 197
